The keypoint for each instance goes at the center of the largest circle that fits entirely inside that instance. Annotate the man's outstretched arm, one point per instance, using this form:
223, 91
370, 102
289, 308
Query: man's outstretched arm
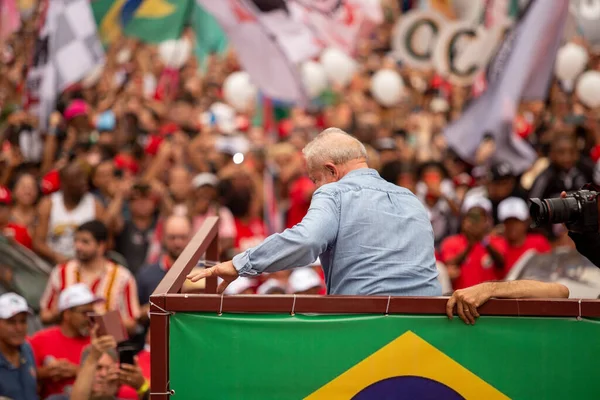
295, 247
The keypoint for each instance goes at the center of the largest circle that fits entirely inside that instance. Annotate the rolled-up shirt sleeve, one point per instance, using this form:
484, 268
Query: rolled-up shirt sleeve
297, 246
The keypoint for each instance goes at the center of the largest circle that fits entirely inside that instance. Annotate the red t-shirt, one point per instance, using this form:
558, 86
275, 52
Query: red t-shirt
479, 266
249, 234
144, 362
299, 203
19, 233
51, 344
129, 393
322, 276
533, 241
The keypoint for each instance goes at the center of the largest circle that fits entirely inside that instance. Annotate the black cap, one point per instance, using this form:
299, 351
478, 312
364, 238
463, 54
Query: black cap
500, 171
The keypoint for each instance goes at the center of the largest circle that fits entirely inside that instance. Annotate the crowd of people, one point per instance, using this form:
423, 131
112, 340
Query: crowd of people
126, 173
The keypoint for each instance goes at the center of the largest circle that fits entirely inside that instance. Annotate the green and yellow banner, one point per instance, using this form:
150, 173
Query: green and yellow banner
252, 356
154, 21
148, 20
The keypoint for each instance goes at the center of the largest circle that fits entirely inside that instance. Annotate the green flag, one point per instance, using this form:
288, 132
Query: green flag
151, 21
210, 38
266, 357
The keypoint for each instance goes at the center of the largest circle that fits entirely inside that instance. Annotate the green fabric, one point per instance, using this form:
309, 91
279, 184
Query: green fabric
158, 20
281, 112
258, 118
250, 356
514, 9
210, 38
154, 21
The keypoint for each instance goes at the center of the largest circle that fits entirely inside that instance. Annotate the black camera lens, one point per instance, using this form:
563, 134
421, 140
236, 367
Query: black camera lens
554, 211
538, 211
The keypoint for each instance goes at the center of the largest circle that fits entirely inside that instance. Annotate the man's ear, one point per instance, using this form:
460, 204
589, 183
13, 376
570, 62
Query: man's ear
332, 170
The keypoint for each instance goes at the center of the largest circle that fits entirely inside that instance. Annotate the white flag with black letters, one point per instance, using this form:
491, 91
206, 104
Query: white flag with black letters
269, 41
521, 69
67, 48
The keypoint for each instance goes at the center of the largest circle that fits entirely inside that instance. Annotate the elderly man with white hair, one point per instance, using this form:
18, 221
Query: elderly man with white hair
373, 237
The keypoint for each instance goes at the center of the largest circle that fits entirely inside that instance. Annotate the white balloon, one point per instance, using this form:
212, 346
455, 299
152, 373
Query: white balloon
314, 78
175, 53
387, 87
587, 19
571, 60
238, 91
588, 88
338, 66
224, 116
590, 10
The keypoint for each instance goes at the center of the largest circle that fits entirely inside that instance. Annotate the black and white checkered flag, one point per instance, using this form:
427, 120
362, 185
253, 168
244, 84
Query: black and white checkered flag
67, 48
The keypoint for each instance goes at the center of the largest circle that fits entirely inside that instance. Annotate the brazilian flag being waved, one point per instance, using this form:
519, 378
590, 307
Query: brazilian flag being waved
154, 21
149, 20
243, 356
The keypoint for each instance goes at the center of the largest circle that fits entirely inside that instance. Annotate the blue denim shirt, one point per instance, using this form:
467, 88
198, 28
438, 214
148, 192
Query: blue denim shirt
373, 238
19, 383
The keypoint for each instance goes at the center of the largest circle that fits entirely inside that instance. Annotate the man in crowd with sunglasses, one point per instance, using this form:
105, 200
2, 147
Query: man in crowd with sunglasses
58, 349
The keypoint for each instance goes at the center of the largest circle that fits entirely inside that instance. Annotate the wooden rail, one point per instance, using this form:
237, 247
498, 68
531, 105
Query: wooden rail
206, 240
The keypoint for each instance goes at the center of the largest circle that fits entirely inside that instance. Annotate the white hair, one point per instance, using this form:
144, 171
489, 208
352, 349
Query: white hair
335, 146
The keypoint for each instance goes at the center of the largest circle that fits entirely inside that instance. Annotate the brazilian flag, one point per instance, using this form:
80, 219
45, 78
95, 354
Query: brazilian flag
154, 21
249, 356
151, 21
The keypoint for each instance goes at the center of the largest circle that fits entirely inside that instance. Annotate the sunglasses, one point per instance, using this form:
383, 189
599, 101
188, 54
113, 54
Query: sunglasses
474, 216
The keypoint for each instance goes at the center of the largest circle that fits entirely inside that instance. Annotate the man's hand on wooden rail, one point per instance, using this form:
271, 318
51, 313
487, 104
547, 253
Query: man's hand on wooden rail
225, 271
468, 300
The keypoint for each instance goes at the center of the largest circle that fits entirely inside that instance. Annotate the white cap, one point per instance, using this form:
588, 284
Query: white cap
12, 304
205, 178
513, 207
476, 201
76, 295
269, 286
302, 279
224, 117
239, 285
232, 144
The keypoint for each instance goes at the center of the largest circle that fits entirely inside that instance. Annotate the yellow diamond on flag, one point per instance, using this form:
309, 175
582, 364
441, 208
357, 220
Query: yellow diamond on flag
407, 365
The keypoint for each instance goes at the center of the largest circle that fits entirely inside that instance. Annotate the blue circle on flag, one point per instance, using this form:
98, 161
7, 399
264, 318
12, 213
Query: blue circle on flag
408, 388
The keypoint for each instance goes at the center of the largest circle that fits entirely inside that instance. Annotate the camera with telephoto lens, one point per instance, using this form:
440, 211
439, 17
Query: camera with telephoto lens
578, 211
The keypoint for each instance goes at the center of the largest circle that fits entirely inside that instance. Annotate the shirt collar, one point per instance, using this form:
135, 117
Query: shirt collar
23, 360
361, 171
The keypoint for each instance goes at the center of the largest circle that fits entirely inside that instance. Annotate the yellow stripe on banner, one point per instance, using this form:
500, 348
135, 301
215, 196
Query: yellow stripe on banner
110, 26
155, 9
407, 355
109, 287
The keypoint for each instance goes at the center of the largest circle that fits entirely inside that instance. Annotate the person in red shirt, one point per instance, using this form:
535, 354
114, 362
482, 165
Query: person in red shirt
250, 231
514, 214
57, 349
474, 256
300, 195
10, 229
239, 194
